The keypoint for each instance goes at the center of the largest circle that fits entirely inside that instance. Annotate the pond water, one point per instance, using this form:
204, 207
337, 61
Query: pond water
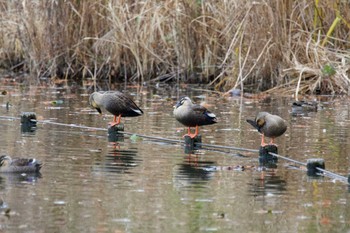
89, 183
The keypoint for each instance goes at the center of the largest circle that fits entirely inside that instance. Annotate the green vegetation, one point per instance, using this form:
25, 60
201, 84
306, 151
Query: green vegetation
285, 46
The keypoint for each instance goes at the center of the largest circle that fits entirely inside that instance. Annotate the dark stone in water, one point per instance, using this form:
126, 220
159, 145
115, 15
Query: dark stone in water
28, 117
313, 164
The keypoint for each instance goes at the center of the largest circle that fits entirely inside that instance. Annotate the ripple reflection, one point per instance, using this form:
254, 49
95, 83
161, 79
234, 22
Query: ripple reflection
193, 174
118, 160
268, 184
18, 178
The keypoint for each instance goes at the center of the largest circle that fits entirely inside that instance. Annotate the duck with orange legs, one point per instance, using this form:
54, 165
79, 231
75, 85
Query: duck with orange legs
193, 115
116, 103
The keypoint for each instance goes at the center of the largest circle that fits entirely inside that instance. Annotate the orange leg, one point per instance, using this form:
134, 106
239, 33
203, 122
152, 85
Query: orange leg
272, 142
196, 132
193, 159
189, 132
263, 140
116, 148
262, 177
115, 120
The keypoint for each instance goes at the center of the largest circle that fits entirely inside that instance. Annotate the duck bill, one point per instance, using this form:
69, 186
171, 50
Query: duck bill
178, 104
99, 110
253, 123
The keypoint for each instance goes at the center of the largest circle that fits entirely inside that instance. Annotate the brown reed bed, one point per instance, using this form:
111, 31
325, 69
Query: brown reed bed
284, 46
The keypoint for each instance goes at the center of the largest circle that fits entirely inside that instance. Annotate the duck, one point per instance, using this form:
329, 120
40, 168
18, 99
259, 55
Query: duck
302, 107
192, 115
269, 125
23, 165
116, 103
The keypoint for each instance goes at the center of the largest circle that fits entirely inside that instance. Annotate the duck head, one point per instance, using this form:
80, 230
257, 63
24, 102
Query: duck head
93, 103
5, 160
183, 101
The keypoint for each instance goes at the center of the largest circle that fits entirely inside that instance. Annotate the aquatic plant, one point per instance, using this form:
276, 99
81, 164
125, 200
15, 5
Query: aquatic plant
269, 46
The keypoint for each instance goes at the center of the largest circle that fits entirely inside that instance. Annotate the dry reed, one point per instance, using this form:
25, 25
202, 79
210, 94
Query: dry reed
276, 46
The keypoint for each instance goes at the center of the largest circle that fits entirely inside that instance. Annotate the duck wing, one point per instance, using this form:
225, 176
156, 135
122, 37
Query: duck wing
23, 162
202, 111
119, 103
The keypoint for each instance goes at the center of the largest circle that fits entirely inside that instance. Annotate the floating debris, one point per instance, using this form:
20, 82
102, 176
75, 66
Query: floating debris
7, 105
135, 138
95, 150
59, 202
220, 215
122, 220
55, 102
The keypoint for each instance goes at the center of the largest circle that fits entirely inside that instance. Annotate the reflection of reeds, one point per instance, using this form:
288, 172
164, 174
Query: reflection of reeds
259, 45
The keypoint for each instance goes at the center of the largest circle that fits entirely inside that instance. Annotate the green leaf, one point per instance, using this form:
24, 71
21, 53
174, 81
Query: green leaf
328, 70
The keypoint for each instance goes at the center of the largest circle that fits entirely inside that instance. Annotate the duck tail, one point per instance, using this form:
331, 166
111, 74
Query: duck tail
38, 167
211, 116
35, 163
138, 111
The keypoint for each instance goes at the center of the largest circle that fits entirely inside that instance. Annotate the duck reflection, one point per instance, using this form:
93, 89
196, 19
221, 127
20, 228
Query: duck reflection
193, 173
268, 183
18, 178
117, 160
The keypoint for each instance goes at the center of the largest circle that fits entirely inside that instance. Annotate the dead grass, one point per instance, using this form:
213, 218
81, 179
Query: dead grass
285, 46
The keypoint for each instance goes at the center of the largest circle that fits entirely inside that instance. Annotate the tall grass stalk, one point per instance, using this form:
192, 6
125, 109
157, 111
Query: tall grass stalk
284, 46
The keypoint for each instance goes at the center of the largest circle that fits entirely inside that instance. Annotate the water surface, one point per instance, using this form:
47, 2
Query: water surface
92, 184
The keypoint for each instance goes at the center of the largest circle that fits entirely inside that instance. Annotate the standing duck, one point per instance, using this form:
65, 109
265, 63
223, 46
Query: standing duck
116, 103
192, 115
268, 125
23, 165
